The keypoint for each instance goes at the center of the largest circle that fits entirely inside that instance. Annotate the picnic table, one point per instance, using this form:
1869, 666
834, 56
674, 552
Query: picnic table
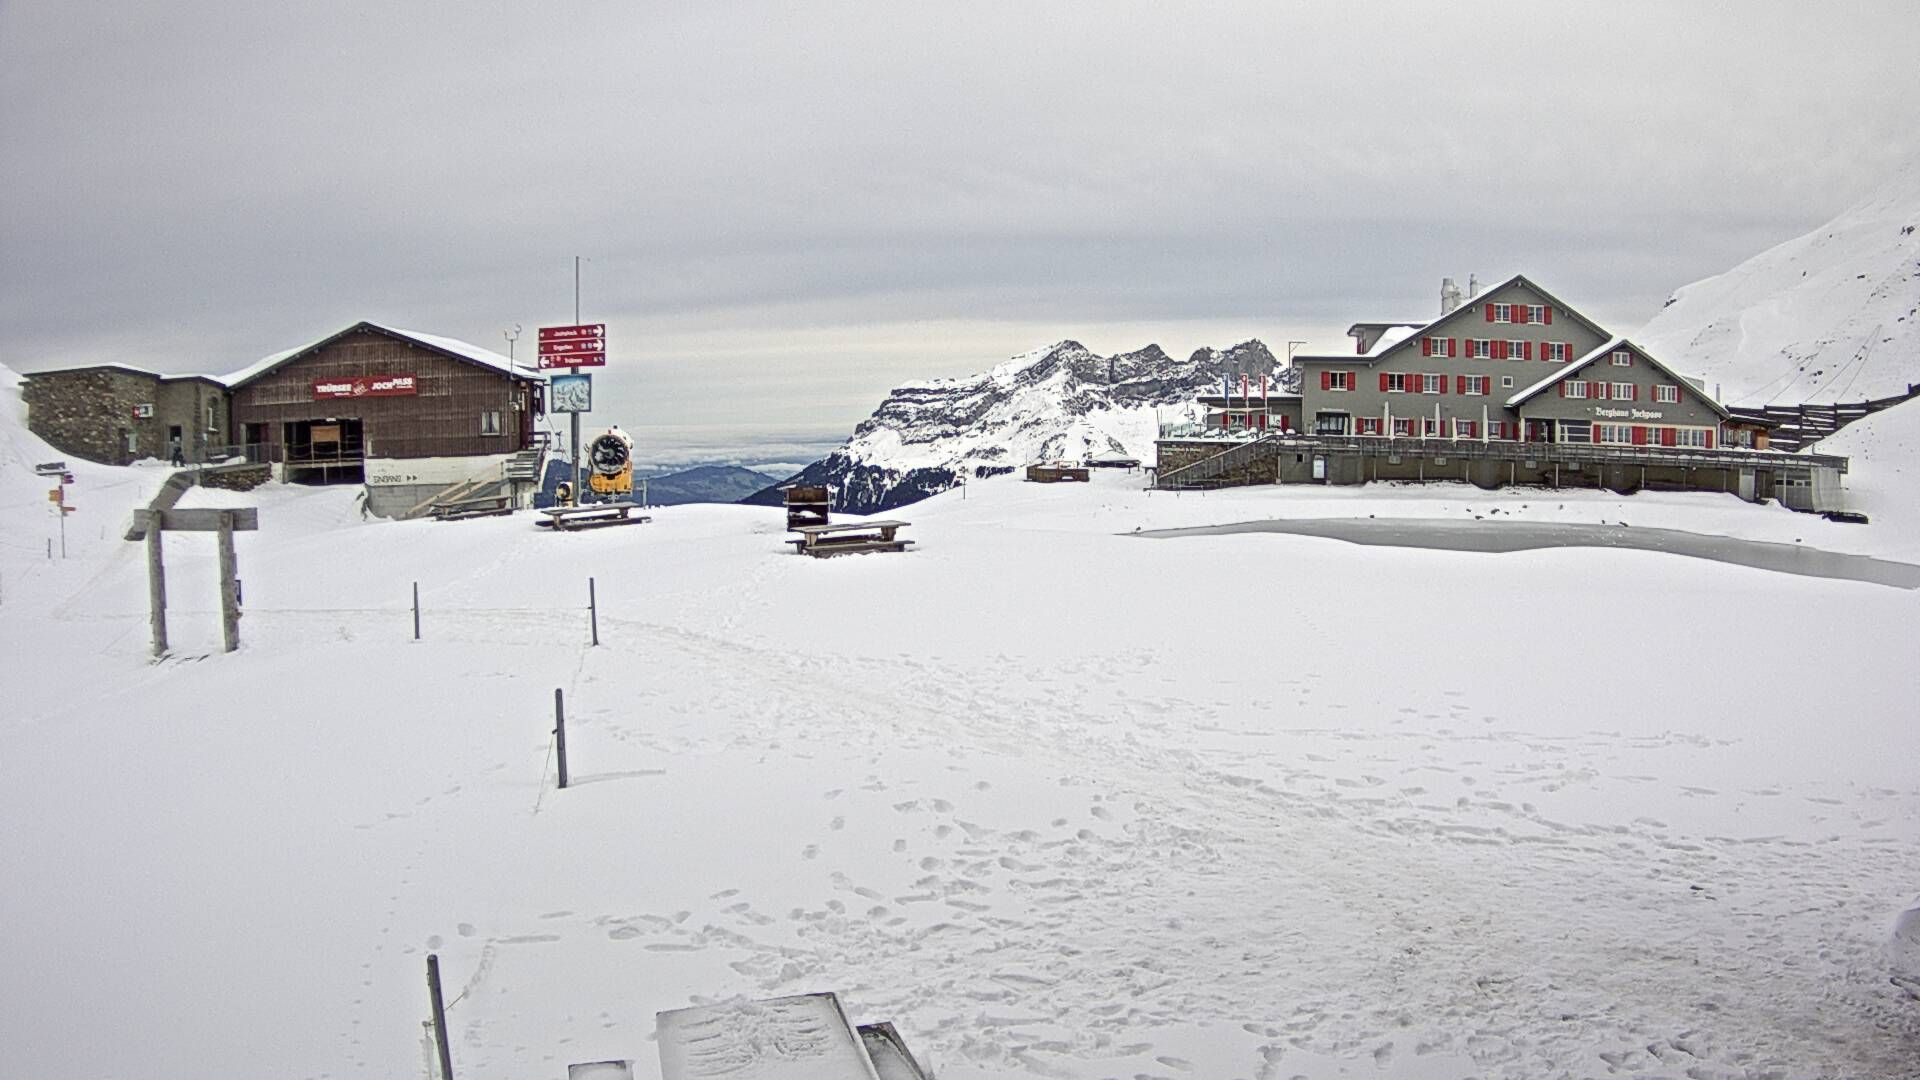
848, 538
460, 509
591, 516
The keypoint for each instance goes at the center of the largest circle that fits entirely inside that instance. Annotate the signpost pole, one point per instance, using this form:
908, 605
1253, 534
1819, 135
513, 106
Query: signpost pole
574, 438
560, 733
593, 611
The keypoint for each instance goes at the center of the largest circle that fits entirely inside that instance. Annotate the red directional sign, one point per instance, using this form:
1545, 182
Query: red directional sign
572, 348
583, 332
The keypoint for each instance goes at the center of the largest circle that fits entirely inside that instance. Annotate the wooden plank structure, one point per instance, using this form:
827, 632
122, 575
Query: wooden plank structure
849, 538
591, 516
805, 1037
150, 525
807, 504
1057, 472
462, 509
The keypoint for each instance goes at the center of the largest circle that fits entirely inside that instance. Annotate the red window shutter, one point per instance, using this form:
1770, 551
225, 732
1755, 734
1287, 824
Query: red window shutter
1326, 380
1459, 384
1529, 355
1453, 346
1636, 392
1489, 312
1549, 315
1426, 346
1639, 436
1443, 384
1563, 388
1383, 382
1709, 438
1497, 350
1669, 436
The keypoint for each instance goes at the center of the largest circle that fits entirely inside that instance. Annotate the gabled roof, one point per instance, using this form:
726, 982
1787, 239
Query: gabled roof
1611, 345
448, 347
1473, 305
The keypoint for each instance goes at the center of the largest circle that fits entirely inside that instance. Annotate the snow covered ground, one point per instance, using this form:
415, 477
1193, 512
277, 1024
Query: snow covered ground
1058, 800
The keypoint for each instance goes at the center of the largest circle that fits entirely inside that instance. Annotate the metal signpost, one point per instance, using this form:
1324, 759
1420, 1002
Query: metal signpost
58, 496
574, 347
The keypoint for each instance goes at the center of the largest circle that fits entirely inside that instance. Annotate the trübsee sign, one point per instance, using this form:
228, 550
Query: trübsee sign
365, 386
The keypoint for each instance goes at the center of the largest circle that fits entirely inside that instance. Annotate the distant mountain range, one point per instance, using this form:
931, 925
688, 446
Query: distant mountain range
1831, 316
704, 484
1061, 402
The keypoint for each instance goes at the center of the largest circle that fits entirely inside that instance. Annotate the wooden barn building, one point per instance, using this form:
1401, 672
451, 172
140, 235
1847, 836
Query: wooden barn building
411, 415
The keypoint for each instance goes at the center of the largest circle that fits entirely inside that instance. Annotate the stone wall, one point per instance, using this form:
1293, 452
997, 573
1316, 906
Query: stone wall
89, 413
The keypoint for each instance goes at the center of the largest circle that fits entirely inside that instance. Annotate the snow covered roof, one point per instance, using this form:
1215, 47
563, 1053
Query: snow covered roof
127, 368
1382, 346
1610, 345
452, 347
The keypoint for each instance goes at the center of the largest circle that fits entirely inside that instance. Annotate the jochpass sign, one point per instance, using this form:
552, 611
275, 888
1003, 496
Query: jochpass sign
584, 345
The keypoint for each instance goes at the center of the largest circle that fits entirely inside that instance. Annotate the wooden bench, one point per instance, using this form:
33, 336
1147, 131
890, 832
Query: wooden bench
461, 509
591, 516
849, 538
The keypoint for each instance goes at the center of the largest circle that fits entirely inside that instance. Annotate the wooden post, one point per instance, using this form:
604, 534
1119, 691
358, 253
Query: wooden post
593, 612
156, 586
229, 588
416, 611
560, 733
439, 1017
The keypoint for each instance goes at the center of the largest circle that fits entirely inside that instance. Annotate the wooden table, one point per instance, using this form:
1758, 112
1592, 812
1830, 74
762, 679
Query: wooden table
591, 516
849, 538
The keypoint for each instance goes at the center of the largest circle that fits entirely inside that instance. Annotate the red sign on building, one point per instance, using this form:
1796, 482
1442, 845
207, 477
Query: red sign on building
365, 386
584, 345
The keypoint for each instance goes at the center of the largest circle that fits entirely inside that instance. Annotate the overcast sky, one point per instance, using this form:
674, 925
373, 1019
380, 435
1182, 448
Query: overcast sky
789, 208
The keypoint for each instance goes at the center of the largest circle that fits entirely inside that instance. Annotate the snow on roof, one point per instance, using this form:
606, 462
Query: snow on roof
454, 346
128, 368
1391, 336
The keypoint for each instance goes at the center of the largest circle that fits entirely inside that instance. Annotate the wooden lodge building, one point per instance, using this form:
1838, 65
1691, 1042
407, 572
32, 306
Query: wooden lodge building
1512, 387
410, 415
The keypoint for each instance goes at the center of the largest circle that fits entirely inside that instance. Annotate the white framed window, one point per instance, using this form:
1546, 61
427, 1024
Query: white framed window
1396, 382
1622, 358
1576, 431
1516, 350
1556, 351
490, 422
1506, 382
1536, 313
1437, 346
1618, 434
1466, 429
1576, 388
1503, 313
1331, 423
1402, 426
1480, 348
1339, 380
1666, 395
1369, 425
1623, 391
1429, 427
1475, 384
1431, 384
1696, 437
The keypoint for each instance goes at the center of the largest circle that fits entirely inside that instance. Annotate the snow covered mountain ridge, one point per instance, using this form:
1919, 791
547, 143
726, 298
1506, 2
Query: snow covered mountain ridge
1830, 316
1061, 402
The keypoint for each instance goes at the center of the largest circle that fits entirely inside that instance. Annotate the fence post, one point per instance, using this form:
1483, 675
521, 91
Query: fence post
593, 611
416, 611
560, 733
439, 1017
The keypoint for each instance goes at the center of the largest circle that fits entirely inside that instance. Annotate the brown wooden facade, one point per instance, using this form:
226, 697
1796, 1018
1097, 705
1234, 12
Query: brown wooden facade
457, 406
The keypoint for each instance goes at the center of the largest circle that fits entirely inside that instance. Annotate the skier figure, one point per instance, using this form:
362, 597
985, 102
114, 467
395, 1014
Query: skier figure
173, 446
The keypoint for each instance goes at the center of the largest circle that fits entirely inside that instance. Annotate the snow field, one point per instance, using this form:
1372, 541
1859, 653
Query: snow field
1057, 800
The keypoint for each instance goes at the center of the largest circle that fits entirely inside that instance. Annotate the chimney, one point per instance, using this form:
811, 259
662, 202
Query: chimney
1473, 286
1449, 296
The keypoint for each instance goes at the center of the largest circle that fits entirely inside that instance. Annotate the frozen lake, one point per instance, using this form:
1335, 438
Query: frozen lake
1508, 536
